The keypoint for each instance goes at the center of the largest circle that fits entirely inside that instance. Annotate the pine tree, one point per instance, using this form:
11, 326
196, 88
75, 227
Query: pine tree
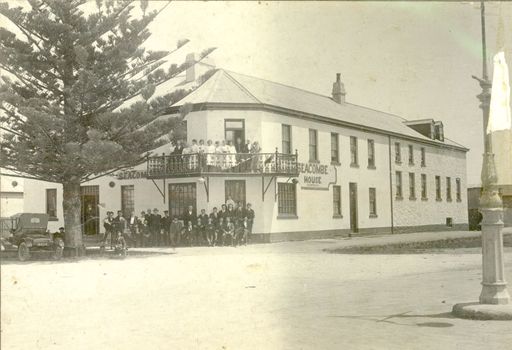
66, 103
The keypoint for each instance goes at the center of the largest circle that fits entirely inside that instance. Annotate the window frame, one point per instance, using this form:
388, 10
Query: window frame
411, 154
398, 185
131, 201
398, 153
371, 154
314, 146
372, 204
354, 152
423, 157
283, 188
412, 186
336, 142
289, 141
53, 191
424, 187
448, 189
458, 189
438, 188
336, 201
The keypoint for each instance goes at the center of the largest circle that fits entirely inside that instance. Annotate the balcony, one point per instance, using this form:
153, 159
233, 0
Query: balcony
222, 164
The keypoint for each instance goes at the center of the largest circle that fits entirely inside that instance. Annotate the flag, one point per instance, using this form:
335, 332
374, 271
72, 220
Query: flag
499, 113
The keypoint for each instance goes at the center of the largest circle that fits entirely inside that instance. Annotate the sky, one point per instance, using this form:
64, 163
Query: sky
410, 59
413, 59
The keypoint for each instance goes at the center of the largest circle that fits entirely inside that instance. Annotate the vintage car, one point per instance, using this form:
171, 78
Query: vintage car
29, 235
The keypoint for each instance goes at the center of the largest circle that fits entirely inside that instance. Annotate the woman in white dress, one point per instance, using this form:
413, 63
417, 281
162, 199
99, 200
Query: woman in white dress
231, 158
210, 153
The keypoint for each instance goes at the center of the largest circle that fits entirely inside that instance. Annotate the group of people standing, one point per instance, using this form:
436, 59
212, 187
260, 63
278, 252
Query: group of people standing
231, 225
222, 154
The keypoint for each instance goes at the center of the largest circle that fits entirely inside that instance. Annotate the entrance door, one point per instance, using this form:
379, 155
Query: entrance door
236, 190
90, 213
180, 197
353, 207
235, 129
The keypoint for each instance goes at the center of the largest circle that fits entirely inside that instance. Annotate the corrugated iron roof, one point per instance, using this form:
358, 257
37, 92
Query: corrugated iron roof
235, 88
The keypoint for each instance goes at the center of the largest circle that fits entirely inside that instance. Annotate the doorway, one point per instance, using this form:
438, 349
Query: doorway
235, 129
180, 197
236, 190
354, 227
90, 212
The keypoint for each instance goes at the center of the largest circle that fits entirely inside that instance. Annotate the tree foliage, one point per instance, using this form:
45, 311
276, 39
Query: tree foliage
67, 105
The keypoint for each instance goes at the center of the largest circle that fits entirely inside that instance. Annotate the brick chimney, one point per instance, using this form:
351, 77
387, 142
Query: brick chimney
338, 90
191, 71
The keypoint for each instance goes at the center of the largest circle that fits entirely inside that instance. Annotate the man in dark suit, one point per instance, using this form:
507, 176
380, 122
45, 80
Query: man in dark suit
166, 226
149, 236
155, 227
214, 215
249, 214
189, 216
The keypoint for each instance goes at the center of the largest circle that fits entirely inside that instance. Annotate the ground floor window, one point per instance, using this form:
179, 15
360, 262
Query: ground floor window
286, 199
236, 190
127, 200
180, 197
336, 201
448, 189
423, 186
373, 202
438, 188
51, 202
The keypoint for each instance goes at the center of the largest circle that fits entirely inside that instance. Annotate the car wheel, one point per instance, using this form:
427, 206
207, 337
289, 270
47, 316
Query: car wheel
23, 252
59, 249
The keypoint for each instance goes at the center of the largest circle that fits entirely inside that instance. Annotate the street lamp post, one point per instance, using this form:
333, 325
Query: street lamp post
494, 287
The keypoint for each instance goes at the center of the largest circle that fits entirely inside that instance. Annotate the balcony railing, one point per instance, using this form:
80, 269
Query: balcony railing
181, 165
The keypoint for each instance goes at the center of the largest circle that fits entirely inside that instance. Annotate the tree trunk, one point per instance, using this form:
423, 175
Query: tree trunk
72, 218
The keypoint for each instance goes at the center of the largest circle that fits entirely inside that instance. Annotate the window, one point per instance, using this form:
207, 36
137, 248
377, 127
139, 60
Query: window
438, 188
423, 157
236, 190
458, 190
412, 186
448, 189
373, 202
313, 145
371, 154
336, 201
353, 151
286, 132
286, 199
127, 200
398, 154
423, 186
335, 152
51, 203
411, 155
180, 197
398, 177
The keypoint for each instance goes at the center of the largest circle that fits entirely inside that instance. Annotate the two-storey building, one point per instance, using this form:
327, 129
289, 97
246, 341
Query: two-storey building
326, 167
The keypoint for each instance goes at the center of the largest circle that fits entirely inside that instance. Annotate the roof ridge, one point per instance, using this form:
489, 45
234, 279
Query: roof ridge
285, 85
240, 85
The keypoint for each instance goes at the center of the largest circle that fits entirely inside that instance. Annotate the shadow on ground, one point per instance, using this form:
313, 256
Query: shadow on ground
388, 319
11, 258
426, 247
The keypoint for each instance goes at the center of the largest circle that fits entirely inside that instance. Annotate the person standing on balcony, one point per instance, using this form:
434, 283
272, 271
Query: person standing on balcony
255, 150
201, 150
231, 158
210, 156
